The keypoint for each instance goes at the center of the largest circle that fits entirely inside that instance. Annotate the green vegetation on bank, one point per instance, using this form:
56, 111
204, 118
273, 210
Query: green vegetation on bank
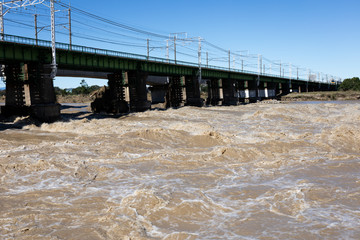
83, 89
352, 84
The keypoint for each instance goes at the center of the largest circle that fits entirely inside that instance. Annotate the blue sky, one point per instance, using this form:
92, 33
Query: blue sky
321, 35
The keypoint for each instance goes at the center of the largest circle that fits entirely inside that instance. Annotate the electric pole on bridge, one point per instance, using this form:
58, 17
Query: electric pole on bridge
207, 59
53, 47
148, 49
70, 33
199, 60
229, 60
175, 49
36, 28
167, 49
297, 73
290, 76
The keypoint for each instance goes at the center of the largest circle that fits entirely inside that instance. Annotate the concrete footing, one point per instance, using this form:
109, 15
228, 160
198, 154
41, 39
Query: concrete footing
174, 97
46, 112
138, 91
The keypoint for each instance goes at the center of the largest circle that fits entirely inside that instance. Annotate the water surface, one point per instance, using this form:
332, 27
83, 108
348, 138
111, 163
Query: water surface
257, 171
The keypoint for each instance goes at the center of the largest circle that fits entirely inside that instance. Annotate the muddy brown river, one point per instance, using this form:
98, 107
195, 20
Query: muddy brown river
257, 171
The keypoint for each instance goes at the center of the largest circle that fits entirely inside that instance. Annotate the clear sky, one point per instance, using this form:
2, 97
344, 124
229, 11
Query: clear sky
321, 35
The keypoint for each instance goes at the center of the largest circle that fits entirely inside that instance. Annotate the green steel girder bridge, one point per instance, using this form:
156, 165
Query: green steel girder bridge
29, 86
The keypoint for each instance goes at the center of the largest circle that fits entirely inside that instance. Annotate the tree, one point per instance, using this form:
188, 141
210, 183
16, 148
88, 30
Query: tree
83, 89
350, 84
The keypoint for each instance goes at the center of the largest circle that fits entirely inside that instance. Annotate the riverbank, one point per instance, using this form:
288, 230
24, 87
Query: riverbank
74, 98
322, 96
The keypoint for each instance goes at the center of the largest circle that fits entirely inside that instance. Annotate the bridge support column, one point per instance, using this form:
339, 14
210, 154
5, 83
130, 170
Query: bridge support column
138, 91
213, 92
30, 90
42, 93
271, 90
174, 96
262, 93
15, 103
252, 88
284, 88
311, 87
303, 88
193, 97
278, 91
117, 90
113, 98
229, 91
241, 91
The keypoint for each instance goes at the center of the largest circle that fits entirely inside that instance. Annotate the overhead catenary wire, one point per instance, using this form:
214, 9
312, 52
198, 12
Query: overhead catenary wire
108, 21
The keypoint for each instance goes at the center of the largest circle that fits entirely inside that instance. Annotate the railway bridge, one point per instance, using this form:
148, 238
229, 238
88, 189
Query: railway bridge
29, 86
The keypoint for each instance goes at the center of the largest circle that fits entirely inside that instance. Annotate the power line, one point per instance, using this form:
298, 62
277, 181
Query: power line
108, 21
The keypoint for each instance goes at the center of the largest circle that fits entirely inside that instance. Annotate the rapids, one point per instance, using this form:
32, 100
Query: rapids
256, 171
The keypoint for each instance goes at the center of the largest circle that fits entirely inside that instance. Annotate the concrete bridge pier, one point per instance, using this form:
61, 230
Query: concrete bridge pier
15, 103
242, 93
262, 90
117, 87
113, 98
192, 87
214, 97
230, 92
322, 87
294, 87
278, 91
303, 88
270, 90
174, 97
30, 91
311, 87
285, 88
42, 93
138, 91
117, 92
252, 87
297, 87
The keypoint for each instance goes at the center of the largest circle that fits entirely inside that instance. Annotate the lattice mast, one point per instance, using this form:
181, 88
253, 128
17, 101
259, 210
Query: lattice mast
53, 45
6, 6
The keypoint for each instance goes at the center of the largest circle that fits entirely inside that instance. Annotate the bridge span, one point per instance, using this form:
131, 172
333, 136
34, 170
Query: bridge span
29, 86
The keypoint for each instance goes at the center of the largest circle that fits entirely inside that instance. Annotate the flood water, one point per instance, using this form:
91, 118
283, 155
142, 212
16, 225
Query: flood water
257, 171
